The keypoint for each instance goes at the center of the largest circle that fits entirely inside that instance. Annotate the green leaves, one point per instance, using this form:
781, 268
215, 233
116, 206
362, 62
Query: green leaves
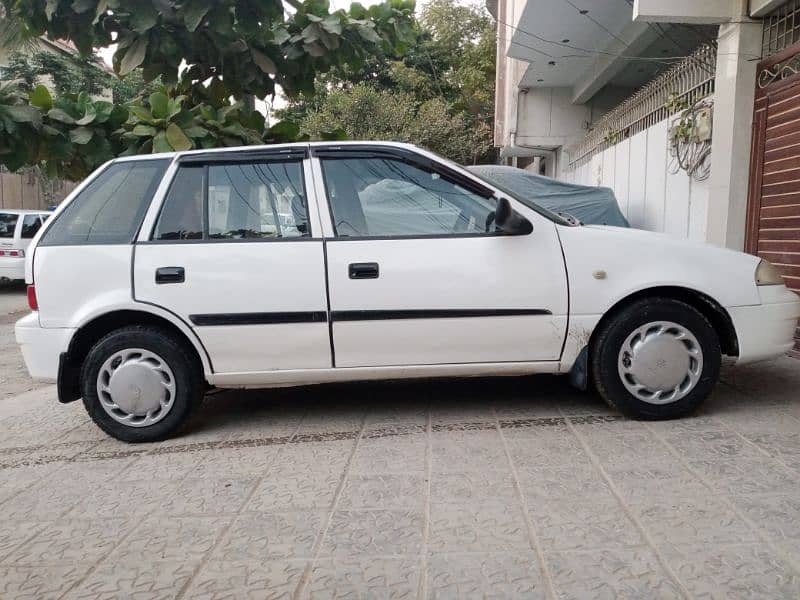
255, 43
24, 114
194, 13
165, 124
81, 135
40, 98
143, 17
263, 62
133, 56
142, 130
57, 114
159, 105
177, 138
67, 137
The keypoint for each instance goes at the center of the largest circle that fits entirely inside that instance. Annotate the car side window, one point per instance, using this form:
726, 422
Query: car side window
31, 224
8, 224
182, 214
111, 208
377, 197
230, 201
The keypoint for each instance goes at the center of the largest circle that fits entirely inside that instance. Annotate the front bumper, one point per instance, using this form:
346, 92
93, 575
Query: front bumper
12, 268
766, 330
41, 348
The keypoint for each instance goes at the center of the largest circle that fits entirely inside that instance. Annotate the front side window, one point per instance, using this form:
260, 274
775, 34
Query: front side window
387, 197
31, 224
231, 201
8, 223
111, 208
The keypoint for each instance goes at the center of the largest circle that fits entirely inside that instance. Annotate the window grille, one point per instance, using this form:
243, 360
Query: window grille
781, 28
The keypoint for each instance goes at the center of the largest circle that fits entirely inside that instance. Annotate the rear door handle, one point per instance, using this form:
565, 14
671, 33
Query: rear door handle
170, 275
363, 270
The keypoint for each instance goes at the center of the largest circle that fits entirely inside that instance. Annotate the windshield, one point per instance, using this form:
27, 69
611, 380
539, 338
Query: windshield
8, 223
507, 188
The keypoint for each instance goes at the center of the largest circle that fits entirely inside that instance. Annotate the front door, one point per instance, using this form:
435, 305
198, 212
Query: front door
233, 254
419, 276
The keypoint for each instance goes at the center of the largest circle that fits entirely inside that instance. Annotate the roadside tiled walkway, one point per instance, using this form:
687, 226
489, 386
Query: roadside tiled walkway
519, 488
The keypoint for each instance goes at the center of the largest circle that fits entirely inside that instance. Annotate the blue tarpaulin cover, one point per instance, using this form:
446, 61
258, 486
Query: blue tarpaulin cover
590, 205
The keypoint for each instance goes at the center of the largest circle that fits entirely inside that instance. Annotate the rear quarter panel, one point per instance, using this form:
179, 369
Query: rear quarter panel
75, 282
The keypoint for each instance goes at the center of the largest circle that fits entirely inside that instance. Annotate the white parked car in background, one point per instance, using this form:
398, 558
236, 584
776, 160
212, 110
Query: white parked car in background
17, 229
308, 263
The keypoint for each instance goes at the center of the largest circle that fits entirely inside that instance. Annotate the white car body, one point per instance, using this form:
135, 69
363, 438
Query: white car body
460, 305
15, 240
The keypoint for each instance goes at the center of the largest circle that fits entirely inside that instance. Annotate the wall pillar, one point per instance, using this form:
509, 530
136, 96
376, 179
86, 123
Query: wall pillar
734, 95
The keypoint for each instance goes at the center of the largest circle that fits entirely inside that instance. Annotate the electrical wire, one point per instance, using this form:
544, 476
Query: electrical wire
589, 53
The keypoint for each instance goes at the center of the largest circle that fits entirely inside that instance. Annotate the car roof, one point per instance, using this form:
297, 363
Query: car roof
289, 146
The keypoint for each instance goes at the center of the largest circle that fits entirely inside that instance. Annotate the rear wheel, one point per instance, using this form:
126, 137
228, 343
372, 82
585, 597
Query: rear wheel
140, 384
657, 358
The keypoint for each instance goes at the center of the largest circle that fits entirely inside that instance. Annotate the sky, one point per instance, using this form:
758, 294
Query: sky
261, 106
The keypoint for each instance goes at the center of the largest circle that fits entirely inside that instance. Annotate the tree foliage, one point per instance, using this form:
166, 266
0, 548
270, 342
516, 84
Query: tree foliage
444, 83
72, 75
251, 45
364, 112
71, 135
230, 49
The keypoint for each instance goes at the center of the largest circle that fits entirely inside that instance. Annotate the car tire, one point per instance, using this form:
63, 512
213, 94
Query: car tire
155, 372
639, 354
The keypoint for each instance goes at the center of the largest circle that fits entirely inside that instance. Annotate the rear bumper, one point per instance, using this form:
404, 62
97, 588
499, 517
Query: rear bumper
41, 348
767, 330
12, 268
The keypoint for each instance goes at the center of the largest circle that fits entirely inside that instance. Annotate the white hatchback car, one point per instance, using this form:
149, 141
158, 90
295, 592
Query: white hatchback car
308, 263
17, 229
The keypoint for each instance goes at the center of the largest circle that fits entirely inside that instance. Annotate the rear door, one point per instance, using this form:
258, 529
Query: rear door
419, 276
236, 253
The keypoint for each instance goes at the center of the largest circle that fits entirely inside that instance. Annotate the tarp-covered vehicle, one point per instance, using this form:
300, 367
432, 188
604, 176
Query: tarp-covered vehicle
590, 205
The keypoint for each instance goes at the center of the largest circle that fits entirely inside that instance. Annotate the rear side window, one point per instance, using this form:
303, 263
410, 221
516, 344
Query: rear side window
31, 224
111, 208
182, 215
8, 223
235, 201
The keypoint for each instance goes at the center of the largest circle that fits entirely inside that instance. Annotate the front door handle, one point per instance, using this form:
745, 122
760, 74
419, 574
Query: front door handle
170, 275
363, 270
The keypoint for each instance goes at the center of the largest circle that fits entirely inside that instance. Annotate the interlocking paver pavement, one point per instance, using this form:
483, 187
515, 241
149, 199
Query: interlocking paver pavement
511, 488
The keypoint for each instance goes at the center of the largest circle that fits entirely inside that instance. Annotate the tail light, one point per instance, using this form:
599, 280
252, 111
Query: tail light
33, 303
14, 253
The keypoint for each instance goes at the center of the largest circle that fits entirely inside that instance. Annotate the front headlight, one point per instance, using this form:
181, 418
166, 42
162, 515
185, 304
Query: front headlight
767, 274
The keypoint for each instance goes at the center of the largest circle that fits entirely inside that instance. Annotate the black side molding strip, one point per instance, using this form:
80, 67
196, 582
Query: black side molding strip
384, 315
275, 318
270, 318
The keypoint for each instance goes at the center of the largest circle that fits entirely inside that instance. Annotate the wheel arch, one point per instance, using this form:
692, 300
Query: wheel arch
711, 309
90, 332
706, 305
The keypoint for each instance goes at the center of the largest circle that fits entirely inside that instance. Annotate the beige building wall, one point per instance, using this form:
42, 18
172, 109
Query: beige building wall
25, 190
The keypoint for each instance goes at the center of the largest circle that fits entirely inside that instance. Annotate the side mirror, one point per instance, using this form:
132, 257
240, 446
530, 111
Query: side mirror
510, 221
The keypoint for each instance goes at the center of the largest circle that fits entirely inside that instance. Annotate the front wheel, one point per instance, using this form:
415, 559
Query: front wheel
658, 358
140, 384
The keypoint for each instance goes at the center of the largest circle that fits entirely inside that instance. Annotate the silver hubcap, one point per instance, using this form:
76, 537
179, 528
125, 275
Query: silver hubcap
660, 362
136, 387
